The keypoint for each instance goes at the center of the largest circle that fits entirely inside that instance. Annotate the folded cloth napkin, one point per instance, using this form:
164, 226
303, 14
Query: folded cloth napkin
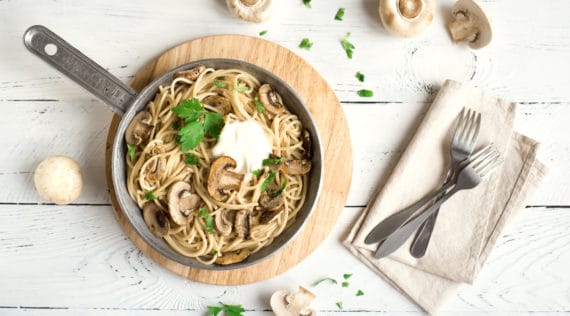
469, 223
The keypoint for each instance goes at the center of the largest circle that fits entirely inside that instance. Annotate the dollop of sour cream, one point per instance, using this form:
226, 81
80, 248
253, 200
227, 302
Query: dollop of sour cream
246, 143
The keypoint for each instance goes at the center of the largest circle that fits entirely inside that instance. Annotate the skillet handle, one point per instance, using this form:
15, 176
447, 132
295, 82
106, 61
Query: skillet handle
79, 68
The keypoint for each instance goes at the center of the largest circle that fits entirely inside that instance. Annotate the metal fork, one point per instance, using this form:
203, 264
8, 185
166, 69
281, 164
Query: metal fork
462, 146
480, 165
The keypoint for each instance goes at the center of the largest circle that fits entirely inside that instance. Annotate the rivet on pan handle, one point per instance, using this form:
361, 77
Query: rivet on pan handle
78, 67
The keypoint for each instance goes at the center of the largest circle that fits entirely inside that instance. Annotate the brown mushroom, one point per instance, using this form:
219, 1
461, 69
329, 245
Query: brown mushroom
155, 219
406, 17
219, 103
268, 216
296, 166
224, 222
242, 222
233, 257
270, 99
307, 144
221, 178
251, 10
182, 202
269, 201
470, 24
156, 168
139, 129
191, 74
285, 303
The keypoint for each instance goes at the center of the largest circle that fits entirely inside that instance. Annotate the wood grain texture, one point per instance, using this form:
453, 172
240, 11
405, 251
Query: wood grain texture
332, 127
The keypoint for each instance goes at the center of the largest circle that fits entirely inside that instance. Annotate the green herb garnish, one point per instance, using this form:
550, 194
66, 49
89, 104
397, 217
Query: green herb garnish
175, 125
204, 214
240, 89
272, 161
359, 76
266, 182
218, 83
339, 14
257, 172
262, 32
149, 196
280, 191
359, 293
307, 3
214, 253
333, 281
258, 105
339, 305
365, 93
306, 44
345, 284
198, 123
346, 276
230, 310
192, 159
348, 46
131, 151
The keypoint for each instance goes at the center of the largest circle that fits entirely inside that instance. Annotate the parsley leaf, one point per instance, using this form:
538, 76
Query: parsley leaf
258, 105
278, 192
230, 310
345, 284
131, 151
348, 46
359, 76
204, 214
175, 125
339, 305
262, 32
346, 276
191, 135
307, 3
306, 44
272, 161
359, 293
149, 196
365, 93
339, 14
240, 89
333, 281
192, 159
218, 83
189, 110
270, 178
257, 172
213, 124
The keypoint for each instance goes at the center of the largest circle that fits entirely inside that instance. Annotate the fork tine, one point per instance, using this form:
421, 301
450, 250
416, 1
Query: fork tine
483, 151
491, 164
465, 126
475, 134
458, 125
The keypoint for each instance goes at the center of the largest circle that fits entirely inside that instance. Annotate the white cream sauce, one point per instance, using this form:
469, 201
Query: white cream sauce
246, 143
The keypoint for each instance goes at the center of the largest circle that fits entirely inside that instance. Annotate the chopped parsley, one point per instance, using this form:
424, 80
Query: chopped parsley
240, 89
306, 44
208, 219
348, 46
270, 178
198, 123
218, 83
339, 14
307, 3
175, 125
262, 32
257, 172
339, 305
280, 191
365, 93
272, 161
345, 284
346, 276
333, 281
359, 293
258, 105
230, 310
131, 151
192, 159
149, 195
359, 76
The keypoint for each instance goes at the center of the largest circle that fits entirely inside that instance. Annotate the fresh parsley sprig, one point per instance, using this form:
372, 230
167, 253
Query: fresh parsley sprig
131, 150
258, 105
192, 159
365, 93
280, 191
198, 123
272, 161
149, 195
230, 310
307, 3
333, 281
348, 46
219, 83
208, 219
359, 76
270, 178
306, 44
339, 14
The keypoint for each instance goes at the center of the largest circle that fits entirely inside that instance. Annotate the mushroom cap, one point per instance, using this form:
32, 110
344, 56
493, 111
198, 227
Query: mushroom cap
221, 178
155, 166
58, 179
139, 129
242, 223
182, 202
251, 10
285, 303
191, 74
233, 257
218, 102
296, 166
270, 203
270, 99
468, 11
224, 222
307, 144
155, 219
406, 18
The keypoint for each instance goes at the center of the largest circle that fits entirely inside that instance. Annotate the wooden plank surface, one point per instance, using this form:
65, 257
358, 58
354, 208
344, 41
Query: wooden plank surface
70, 260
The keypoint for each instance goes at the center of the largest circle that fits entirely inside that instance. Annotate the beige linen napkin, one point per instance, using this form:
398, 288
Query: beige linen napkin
470, 222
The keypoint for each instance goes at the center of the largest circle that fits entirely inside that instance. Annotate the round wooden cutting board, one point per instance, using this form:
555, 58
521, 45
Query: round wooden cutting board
333, 129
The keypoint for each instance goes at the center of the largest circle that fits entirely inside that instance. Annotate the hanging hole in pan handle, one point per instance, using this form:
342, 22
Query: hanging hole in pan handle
50, 49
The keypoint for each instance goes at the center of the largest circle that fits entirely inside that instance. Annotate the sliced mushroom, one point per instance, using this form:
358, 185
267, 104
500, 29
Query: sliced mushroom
470, 24
296, 166
219, 103
307, 144
268, 201
242, 222
285, 303
233, 257
221, 178
270, 99
268, 216
224, 222
191, 74
251, 10
156, 168
406, 17
155, 219
139, 129
182, 202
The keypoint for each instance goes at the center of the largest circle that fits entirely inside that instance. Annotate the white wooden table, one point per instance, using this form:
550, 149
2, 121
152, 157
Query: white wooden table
75, 259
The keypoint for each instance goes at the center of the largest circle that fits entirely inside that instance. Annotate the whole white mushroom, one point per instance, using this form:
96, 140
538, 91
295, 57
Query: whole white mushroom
58, 179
